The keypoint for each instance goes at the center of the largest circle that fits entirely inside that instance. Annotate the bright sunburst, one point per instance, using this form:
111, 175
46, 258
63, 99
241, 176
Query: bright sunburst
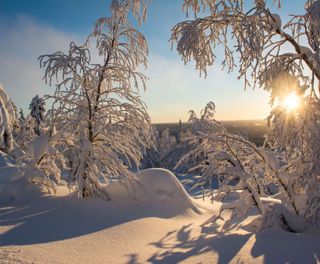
291, 102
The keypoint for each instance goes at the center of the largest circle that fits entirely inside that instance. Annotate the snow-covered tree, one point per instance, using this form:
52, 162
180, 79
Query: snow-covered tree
26, 132
37, 111
234, 165
166, 143
97, 108
151, 158
196, 157
164, 152
21, 117
283, 58
7, 121
180, 131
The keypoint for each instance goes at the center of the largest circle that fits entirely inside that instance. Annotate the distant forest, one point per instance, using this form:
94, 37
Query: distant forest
254, 130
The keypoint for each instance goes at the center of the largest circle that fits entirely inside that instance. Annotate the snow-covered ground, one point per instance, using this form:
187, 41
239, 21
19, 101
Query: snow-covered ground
161, 226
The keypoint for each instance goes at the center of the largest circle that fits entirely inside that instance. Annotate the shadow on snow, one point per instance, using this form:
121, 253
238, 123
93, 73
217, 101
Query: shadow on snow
59, 218
275, 246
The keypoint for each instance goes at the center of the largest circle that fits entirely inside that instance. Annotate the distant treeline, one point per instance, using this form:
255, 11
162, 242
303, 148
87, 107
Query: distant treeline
254, 130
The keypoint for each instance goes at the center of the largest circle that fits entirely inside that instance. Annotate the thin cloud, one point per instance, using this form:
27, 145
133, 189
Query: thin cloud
173, 88
22, 42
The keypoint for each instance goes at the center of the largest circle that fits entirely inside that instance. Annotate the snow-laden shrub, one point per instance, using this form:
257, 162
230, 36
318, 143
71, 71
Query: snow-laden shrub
42, 162
242, 170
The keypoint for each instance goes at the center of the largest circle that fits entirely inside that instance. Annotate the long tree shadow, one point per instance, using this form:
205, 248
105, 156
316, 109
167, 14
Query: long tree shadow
178, 245
278, 246
57, 218
275, 246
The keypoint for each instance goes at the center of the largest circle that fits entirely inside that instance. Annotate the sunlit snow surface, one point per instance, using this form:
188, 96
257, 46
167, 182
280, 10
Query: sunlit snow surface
162, 225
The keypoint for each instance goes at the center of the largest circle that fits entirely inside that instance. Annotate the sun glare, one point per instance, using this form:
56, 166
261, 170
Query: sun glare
291, 102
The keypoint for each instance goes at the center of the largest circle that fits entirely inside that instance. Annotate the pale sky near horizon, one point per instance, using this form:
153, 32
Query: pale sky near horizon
32, 28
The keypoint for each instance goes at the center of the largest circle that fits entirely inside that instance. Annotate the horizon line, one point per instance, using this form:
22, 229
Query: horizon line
231, 120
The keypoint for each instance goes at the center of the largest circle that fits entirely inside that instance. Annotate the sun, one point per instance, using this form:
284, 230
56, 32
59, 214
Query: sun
291, 102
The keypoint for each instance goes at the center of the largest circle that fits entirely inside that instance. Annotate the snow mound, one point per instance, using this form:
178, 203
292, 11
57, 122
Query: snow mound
162, 184
8, 171
20, 191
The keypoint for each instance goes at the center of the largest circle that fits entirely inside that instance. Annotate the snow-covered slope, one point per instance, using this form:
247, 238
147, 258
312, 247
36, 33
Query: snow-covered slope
8, 170
162, 226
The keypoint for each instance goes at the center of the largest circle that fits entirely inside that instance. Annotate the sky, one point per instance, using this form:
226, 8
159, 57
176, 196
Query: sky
30, 28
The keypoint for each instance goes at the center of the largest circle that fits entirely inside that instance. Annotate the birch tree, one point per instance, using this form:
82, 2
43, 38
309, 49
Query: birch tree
97, 108
282, 58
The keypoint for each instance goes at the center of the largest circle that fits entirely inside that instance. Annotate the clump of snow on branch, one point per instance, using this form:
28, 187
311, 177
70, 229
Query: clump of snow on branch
43, 162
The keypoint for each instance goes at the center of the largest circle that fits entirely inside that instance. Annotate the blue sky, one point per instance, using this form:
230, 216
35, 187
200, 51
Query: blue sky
30, 28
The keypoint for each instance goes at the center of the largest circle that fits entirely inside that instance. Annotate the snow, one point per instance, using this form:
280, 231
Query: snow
38, 146
8, 170
270, 159
5, 160
164, 185
162, 226
7, 119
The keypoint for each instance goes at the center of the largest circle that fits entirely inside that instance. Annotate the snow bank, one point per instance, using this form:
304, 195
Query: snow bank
162, 184
14, 188
8, 171
160, 189
20, 191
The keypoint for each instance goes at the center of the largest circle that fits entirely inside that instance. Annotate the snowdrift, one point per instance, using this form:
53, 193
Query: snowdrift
162, 184
14, 187
161, 191
8, 171
37, 217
